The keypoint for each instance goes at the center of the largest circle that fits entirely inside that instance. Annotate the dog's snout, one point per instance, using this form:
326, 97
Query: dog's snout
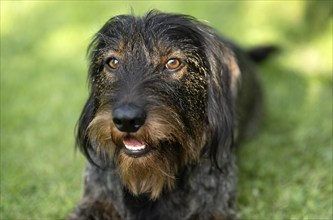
128, 117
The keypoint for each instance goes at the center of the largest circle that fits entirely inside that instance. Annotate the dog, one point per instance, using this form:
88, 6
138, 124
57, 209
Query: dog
169, 100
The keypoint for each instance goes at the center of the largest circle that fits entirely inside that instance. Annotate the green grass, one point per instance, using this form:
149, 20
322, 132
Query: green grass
285, 172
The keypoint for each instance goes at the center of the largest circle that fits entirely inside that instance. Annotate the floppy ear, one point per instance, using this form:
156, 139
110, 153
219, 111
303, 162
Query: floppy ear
89, 110
220, 108
87, 115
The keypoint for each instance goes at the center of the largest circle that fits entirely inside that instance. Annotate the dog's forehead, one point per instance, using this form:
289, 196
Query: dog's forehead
154, 33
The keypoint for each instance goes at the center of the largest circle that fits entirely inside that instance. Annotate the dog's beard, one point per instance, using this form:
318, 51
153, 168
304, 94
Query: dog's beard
170, 149
149, 174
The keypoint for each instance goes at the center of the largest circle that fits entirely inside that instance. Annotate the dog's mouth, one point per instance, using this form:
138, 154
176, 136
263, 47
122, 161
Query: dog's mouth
134, 147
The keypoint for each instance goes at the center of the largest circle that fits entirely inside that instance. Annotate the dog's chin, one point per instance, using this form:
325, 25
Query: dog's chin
144, 170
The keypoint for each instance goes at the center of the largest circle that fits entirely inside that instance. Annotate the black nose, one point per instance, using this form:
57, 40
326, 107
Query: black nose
128, 117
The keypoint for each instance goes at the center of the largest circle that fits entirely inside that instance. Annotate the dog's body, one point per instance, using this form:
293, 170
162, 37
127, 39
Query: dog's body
169, 99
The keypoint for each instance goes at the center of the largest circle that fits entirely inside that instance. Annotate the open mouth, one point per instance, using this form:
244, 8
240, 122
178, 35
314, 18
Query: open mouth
135, 147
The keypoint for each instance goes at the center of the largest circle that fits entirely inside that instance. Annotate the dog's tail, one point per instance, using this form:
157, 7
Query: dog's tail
259, 54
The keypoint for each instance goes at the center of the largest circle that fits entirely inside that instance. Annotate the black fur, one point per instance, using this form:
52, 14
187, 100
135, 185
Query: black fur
209, 103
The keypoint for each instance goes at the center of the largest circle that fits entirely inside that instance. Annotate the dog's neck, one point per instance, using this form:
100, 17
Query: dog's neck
197, 176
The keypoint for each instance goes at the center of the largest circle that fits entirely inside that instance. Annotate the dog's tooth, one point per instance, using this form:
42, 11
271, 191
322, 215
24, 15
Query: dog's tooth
134, 144
141, 147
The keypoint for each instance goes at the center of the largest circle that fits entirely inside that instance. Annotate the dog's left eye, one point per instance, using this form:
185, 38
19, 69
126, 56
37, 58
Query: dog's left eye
173, 64
112, 63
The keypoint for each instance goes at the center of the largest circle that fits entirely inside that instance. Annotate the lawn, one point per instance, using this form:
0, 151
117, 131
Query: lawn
285, 172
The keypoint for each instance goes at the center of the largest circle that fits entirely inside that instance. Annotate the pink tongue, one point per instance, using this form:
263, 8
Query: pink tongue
133, 142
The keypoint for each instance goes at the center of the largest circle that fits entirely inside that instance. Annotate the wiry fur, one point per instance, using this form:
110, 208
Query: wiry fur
195, 115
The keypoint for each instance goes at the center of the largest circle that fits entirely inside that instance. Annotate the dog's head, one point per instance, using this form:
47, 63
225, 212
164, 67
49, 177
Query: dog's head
160, 99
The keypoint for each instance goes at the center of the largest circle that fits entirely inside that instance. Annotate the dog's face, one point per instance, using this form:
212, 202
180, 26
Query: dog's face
152, 108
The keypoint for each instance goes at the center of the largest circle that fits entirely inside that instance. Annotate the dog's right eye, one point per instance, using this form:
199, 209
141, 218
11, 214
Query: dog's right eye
112, 63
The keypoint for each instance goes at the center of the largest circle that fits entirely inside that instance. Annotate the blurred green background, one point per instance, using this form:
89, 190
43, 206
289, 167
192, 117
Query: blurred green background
285, 171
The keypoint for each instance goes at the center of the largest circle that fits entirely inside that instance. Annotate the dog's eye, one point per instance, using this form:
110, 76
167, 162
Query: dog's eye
173, 64
112, 63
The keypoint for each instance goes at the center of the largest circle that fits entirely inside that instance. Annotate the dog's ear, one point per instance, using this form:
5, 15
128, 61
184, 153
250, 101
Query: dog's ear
87, 115
220, 108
